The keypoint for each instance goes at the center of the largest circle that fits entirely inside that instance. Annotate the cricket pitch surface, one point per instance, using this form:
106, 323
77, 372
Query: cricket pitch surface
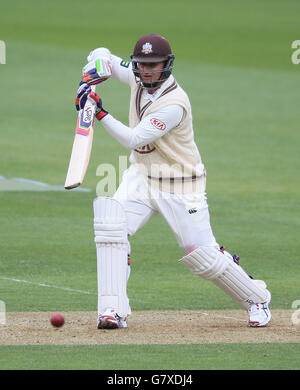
149, 327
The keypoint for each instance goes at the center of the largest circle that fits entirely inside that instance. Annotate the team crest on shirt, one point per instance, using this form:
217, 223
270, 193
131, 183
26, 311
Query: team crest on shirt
147, 48
158, 124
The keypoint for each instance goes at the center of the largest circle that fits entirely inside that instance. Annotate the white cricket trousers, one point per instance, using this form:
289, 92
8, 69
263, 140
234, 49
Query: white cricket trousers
186, 214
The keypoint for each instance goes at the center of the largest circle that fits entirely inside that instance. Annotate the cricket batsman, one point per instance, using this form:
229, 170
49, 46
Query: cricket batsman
166, 175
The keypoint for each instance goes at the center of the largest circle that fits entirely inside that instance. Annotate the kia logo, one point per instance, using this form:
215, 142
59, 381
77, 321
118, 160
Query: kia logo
158, 124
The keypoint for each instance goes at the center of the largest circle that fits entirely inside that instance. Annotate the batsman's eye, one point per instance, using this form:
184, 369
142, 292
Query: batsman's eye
147, 65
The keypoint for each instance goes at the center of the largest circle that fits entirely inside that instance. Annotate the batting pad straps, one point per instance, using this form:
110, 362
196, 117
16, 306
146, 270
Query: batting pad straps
211, 264
112, 255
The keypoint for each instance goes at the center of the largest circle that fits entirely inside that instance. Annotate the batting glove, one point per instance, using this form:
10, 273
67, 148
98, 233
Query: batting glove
100, 112
85, 91
97, 71
100, 52
82, 95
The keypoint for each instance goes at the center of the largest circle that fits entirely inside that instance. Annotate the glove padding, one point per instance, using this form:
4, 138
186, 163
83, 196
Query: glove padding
100, 52
97, 71
83, 93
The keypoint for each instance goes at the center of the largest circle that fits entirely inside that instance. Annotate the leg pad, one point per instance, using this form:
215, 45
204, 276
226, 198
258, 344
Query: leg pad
112, 256
212, 264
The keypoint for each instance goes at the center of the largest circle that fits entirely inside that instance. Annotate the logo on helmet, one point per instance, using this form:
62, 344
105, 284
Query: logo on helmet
147, 48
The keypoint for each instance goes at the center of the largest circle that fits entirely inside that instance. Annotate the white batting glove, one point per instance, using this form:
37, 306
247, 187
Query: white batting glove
96, 71
101, 52
99, 61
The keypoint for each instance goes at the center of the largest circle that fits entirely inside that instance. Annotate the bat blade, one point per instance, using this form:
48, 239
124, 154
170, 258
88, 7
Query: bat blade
82, 147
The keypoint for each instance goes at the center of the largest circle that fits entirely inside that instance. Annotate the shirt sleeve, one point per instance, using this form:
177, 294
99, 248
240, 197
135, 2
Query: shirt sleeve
122, 70
152, 127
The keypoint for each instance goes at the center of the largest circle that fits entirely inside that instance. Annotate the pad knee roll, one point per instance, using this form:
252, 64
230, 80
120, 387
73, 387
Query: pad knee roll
109, 221
212, 264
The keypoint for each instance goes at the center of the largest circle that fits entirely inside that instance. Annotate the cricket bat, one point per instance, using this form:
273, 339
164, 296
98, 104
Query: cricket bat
82, 145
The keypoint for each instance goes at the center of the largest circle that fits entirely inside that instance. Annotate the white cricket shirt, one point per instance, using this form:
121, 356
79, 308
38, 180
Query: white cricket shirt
147, 131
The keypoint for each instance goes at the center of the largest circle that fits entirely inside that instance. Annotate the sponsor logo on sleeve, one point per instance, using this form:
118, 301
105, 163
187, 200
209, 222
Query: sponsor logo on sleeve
158, 124
124, 63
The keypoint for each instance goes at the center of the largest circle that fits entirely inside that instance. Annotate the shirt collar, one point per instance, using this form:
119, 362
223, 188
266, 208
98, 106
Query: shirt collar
160, 90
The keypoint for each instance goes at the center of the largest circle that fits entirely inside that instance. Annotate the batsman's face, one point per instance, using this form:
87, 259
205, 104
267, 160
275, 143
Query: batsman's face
150, 72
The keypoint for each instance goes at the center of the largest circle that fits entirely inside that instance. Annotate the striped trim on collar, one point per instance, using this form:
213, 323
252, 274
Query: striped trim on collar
140, 111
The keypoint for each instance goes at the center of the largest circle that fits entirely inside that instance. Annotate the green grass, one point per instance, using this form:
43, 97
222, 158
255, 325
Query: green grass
251, 33
48, 238
155, 357
234, 60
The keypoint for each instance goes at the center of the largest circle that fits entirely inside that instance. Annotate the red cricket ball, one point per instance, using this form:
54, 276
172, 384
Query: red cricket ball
57, 320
